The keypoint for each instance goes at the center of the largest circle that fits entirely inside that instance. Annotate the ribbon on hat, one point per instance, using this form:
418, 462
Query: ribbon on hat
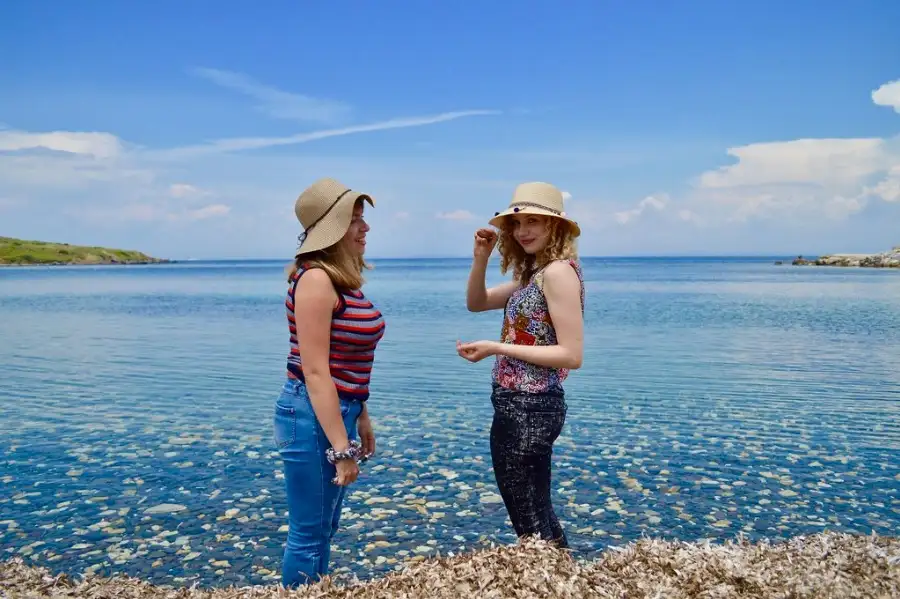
302, 236
515, 206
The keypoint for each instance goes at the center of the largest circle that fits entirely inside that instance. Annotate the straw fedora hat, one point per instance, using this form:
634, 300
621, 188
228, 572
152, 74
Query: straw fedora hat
325, 210
536, 198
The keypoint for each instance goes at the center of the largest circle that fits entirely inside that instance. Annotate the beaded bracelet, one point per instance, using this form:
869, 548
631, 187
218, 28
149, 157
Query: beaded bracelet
354, 452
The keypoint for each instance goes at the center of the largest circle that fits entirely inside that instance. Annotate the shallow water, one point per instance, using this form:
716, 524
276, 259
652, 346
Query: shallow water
718, 396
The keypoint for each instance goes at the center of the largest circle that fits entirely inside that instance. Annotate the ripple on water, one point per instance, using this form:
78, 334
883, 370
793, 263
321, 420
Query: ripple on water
715, 400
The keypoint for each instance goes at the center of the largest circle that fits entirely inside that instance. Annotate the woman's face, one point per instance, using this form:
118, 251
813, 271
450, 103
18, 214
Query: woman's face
531, 231
355, 237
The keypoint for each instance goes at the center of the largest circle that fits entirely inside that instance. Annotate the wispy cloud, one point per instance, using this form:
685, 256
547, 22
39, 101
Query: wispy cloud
455, 215
186, 191
98, 145
142, 212
211, 211
254, 143
657, 203
275, 102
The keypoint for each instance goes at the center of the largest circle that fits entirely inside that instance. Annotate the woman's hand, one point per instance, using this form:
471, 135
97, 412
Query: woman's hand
366, 434
485, 240
477, 351
347, 471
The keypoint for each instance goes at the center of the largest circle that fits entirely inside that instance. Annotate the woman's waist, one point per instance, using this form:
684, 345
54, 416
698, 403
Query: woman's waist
296, 389
511, 363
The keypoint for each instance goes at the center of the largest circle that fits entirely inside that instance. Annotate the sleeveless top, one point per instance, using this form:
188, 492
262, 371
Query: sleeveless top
356, 328
526, 321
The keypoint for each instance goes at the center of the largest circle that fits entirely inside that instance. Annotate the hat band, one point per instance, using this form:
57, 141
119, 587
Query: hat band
302, 237
515, 206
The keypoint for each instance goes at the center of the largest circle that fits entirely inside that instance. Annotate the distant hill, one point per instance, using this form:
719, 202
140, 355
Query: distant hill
20, 251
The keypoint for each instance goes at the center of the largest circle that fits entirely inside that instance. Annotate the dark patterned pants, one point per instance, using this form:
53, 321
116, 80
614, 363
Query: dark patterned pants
524, 429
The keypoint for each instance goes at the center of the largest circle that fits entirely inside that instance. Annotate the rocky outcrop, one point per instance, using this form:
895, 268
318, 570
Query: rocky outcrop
890, 259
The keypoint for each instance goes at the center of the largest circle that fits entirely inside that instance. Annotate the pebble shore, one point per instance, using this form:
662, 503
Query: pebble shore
821, 566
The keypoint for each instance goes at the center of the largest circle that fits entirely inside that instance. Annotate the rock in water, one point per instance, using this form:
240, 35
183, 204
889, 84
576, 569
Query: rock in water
165, 508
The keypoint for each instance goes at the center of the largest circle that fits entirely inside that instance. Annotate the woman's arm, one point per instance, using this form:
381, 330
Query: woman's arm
314, 301
478, 297
563, 292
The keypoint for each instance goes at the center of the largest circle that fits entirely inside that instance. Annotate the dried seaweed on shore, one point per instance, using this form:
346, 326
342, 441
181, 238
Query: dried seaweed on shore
822, 566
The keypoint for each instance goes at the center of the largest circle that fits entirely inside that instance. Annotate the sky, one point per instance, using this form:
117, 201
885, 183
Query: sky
187, 130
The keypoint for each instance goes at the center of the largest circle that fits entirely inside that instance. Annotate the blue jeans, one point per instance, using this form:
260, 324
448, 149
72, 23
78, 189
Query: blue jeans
314, 502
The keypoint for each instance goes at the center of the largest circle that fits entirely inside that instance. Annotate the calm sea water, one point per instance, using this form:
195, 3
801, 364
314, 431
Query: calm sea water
717, 397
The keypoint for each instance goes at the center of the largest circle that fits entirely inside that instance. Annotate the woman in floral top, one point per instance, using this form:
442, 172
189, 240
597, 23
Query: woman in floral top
541, 340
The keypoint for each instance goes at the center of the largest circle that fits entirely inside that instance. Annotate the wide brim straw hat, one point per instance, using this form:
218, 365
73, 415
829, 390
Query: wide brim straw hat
325, 210
536, 198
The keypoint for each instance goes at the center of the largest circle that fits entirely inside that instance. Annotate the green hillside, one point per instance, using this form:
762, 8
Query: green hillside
20, 251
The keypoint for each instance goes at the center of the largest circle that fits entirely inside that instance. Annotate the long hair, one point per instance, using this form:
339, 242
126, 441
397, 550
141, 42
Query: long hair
343, 268
560, 246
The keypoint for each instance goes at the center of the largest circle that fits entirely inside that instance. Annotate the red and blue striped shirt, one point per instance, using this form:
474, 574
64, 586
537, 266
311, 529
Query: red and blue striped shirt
356, 328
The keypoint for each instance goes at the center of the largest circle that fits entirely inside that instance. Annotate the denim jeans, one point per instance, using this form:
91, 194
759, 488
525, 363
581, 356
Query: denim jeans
524, 429
314, 502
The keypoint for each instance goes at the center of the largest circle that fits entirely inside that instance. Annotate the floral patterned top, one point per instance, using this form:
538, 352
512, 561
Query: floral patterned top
526, 321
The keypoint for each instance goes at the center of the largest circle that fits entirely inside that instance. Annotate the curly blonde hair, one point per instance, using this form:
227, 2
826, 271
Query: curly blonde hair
560, 246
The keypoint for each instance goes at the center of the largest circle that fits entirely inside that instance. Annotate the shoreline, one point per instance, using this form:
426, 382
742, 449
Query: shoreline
105, 263
823, 566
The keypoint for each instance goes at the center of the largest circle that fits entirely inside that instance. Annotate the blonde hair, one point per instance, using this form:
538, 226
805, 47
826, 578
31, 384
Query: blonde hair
343, 268
560, 246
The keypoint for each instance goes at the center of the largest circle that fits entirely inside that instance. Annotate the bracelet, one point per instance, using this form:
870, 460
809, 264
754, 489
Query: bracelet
353, 452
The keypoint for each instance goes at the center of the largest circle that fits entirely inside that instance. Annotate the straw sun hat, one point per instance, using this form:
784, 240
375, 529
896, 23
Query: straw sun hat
536, 198
325, 210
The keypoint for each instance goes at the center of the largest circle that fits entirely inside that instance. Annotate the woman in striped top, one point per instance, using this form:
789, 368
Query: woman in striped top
334, 330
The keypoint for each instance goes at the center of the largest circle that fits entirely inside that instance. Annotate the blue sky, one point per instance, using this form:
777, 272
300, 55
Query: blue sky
188, 129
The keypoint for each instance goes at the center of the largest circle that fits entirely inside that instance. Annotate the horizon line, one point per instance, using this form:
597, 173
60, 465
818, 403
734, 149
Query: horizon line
457, 257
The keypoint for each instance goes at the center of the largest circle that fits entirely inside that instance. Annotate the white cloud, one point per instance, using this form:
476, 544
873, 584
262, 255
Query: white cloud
253, 143
460, 215
98, 145
186, 191
888, 189
146, 213
817, 161
802, 180
689, 217
566, 196
211, 211
888, 95
839, 208
657, 203
69, 172
275, 102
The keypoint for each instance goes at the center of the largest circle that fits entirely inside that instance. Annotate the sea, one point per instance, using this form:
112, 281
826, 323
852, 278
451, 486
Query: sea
719, 398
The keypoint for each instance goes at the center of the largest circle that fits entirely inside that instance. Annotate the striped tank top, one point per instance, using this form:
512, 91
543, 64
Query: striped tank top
356, 328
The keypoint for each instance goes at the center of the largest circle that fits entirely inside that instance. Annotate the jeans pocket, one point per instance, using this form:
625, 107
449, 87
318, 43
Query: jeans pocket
285, 425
